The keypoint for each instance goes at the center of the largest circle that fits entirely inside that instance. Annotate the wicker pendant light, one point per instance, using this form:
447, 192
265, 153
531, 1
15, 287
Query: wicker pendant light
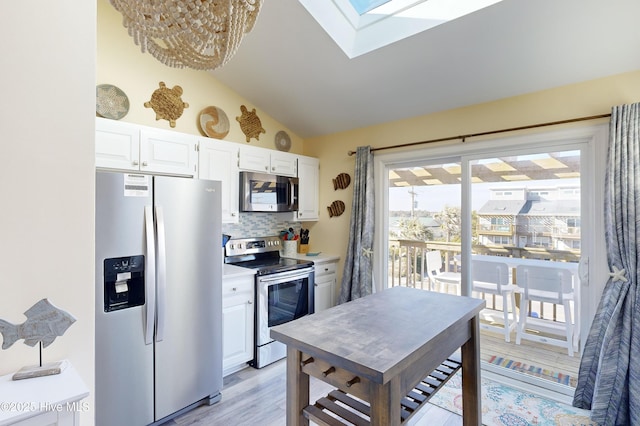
197, 34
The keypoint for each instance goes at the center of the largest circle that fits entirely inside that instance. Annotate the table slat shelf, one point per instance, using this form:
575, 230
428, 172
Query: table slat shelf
339, 408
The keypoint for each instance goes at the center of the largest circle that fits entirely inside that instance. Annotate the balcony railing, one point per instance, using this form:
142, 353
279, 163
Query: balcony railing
407, 265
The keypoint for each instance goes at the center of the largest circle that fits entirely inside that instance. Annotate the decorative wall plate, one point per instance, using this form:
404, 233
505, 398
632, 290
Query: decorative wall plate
214, 122
167, 103
111, 102
283, 141
336, 208
341, 181
250, 124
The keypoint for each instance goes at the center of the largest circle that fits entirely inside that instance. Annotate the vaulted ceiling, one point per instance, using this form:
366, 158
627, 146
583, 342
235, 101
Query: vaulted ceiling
291, 69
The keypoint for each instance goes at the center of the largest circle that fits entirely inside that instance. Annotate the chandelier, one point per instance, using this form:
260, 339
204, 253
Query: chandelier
198, 34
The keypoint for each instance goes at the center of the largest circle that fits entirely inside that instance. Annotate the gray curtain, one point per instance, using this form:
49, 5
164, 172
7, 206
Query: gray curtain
357, 277
609, 378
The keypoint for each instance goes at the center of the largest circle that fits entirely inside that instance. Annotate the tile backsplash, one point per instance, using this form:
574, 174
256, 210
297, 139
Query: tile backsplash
260, 225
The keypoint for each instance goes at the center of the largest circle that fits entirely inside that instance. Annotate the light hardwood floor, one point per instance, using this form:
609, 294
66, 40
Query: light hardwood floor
257, 397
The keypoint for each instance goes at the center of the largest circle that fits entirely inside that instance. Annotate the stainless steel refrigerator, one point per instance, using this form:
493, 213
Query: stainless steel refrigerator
158, 296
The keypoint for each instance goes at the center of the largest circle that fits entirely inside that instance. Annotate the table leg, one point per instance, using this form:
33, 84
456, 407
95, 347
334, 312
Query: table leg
471, 385
385, 403
297, 389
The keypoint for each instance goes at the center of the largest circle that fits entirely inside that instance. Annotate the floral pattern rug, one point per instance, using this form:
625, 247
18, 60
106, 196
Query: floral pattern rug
504, 405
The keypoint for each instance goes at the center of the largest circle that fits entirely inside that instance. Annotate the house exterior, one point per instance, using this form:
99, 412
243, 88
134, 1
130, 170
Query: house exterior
547, 217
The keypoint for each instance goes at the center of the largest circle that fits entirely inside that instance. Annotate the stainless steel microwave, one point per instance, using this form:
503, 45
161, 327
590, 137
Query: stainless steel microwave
261, 192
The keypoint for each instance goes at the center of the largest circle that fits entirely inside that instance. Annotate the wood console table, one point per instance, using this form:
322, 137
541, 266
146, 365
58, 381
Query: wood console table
380, 349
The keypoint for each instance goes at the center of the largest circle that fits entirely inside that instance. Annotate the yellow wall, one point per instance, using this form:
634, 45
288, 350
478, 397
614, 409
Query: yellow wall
122, 64
330, 235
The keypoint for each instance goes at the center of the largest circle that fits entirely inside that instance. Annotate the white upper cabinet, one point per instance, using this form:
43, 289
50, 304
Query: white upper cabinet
219, 161
126, 146
254, 159
168, 152
117, 145
283, 163
308, 189
264, 160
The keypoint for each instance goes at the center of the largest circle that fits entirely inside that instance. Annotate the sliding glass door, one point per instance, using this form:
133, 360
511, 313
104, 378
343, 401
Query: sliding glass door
516, 208
527, 206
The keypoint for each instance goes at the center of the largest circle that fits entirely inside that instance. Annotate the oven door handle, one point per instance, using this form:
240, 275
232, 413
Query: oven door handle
285, 276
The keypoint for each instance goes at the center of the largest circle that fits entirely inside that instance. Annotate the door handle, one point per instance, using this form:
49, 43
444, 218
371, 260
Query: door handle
150, 276
162, 275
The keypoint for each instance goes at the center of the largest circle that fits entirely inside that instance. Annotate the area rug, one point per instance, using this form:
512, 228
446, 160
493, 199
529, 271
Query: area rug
564, 379
507, 406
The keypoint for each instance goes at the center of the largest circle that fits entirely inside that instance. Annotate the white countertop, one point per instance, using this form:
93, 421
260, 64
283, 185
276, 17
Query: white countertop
321, 258
229, 271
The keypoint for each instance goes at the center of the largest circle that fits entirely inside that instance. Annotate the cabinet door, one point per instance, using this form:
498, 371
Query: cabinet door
168, 152
237, 331
324, 288
283, 163
237, 322
308, 190
218, 160
117, 145
254, 159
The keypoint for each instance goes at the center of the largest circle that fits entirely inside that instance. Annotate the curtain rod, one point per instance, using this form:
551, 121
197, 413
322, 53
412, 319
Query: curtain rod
491, 132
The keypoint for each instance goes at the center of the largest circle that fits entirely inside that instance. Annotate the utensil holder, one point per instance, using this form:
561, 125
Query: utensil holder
289, 248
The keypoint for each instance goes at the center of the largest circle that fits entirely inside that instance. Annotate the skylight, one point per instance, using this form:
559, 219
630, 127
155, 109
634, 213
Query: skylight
361, 26
364, 6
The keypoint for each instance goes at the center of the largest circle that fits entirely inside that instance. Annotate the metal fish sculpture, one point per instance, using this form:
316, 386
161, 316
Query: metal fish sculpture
44, 323
336, 208
341, 181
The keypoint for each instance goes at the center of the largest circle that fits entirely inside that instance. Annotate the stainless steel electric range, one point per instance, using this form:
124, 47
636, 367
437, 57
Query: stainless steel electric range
284, 290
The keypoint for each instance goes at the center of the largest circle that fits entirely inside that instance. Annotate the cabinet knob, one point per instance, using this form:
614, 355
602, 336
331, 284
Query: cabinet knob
233, 214
249, 302
135, 162
273, 168
145, 164
316, 285
234, 289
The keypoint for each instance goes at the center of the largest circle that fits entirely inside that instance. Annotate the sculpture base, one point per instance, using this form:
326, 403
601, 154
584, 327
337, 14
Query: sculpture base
32, 371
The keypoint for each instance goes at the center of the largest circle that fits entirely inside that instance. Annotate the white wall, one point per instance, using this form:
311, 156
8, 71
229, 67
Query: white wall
46, 174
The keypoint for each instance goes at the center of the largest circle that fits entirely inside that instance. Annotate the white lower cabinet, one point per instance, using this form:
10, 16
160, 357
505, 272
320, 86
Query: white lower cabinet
324, 285
238, 300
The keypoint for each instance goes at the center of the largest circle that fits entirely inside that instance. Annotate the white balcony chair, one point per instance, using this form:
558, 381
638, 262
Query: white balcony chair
493, 278
550, 285
437, 275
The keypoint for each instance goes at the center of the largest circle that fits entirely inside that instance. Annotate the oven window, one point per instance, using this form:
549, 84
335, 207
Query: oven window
288, 301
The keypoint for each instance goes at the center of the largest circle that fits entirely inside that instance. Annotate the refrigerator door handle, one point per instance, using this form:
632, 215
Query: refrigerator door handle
150, 276
162, 275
